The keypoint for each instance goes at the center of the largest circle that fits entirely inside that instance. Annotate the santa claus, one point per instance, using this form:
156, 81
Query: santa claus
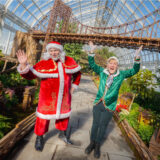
60, 75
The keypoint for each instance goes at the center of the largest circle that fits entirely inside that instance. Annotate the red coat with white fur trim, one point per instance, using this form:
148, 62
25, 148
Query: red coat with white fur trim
54, 96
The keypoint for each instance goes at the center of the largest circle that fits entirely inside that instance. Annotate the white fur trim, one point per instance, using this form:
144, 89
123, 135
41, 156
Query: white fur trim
74, 86
61, 89
53, 45
73, 70
113, 57
92, 55
44, 75
114, 75
46, 56
53, 116
62, 57
24, 71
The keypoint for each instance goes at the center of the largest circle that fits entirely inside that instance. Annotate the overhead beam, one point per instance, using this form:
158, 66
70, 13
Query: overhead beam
152, 44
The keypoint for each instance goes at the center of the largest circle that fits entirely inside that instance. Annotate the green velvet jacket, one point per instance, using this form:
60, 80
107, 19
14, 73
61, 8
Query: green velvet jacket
111, 96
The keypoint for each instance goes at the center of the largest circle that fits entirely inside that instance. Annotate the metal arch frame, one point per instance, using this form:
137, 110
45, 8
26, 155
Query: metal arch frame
15, 19
110, 14
48, 9
28, 10
81, 13
131, 11
7, 4
120, 14
98, 10
142, 12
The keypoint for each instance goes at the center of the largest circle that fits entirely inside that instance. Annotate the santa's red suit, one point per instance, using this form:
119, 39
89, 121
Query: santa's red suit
57, 78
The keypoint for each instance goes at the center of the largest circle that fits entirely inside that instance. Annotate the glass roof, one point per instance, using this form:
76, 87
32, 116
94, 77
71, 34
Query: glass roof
25, 14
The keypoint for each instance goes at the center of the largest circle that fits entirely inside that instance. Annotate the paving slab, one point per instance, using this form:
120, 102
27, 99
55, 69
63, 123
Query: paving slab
28, 152
119, 157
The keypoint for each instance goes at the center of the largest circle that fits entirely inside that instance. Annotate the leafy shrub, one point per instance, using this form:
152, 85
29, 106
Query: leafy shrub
36, 96
5, 125
132, 118
14, 79
125, 87
145, 131
10, 102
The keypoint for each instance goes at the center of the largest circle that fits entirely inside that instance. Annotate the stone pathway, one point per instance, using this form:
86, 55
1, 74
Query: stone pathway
114, 147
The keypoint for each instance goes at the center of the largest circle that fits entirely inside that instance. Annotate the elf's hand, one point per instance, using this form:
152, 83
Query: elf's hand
92, 46
137, 53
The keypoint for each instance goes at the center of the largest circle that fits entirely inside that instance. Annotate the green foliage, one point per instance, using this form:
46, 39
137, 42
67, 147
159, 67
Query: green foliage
10, 102
145, 131
155, 120
1, 54
5, 125
14, 79
125, 87
143, 85
132, 118
1, 65
104, 51
73, 50
102, 54
36, 96
157, 77
72, 28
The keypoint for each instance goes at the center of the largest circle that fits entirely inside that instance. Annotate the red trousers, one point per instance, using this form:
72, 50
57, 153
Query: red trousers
42, 125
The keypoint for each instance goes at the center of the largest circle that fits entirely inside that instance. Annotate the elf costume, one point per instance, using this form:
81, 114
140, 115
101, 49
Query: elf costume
57, 78
106, 100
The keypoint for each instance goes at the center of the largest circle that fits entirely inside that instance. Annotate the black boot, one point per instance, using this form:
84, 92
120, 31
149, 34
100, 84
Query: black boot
39, 143
63, 136
90, 147
97, 150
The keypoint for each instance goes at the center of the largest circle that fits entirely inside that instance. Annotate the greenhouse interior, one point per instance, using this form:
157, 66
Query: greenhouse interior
102, 60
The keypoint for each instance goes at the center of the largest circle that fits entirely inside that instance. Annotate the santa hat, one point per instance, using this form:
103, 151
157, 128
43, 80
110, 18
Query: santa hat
56, 45
111, 58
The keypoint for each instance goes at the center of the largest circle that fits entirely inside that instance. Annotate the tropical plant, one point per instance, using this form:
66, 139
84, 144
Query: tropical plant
73, 50
144, 86
142, 83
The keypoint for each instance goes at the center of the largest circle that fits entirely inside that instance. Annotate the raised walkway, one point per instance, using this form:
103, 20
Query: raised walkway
114, 147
